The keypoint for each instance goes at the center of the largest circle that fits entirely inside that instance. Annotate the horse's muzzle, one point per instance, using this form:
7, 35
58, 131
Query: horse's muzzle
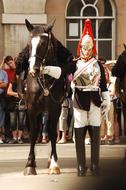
34, 71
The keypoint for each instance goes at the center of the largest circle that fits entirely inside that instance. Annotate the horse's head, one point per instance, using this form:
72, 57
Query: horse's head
39, 45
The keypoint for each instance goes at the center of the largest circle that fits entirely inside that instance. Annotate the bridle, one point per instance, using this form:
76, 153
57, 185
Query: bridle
49, 45
41, 77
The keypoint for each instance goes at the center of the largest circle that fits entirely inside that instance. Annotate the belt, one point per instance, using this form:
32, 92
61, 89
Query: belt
87, 88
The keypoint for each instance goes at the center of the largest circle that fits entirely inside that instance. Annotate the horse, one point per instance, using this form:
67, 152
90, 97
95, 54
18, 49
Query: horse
119, 70
50, 64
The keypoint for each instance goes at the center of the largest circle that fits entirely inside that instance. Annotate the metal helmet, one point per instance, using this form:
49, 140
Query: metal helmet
87, 39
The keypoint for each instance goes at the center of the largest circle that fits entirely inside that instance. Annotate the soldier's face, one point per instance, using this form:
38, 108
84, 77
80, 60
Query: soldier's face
86, 53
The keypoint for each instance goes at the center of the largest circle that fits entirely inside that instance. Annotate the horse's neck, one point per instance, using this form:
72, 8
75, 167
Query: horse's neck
124, 85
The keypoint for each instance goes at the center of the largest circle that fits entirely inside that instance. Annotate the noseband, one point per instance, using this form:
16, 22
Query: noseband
49, 44
41, 78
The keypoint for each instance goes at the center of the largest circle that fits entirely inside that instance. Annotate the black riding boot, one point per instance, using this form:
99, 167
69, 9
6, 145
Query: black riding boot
94, 133
80, 150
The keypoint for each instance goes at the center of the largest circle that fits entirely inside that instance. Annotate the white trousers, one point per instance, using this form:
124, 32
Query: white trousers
83, 118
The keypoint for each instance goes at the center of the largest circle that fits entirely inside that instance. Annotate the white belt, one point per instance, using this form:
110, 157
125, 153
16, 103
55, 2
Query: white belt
88, 88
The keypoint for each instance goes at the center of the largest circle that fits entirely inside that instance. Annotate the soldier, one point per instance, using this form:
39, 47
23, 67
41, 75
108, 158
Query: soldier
89, 96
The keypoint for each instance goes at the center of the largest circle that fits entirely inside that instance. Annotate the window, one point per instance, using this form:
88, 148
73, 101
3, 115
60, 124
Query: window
102, 15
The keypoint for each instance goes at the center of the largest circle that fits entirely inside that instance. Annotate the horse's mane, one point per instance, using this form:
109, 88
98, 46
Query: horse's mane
22, 60
63, 54
119, 69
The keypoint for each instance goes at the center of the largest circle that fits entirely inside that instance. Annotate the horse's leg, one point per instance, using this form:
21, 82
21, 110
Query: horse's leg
53, 167
124, 117
31, 164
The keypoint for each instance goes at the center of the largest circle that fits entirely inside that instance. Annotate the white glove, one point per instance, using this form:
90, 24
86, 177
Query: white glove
105, 103
52, 71
72, 85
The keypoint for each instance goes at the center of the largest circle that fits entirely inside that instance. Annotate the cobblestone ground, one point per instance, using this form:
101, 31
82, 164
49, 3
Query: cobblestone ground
13, 160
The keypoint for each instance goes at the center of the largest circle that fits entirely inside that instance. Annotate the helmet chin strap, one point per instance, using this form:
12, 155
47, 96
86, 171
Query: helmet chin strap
86, 58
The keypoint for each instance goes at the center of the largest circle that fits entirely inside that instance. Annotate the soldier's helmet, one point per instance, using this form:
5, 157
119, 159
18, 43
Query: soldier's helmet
87, 39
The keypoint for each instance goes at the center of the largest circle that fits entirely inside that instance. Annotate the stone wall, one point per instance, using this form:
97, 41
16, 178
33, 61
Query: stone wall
56, 9
14, 35
13, 14
1, 32
121, 25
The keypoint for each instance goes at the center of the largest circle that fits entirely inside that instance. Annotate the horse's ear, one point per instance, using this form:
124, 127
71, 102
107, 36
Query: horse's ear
49, 27
29, 26
124, 46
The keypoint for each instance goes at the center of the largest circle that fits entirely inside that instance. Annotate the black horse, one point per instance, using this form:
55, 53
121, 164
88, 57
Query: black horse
49, 63
119, 70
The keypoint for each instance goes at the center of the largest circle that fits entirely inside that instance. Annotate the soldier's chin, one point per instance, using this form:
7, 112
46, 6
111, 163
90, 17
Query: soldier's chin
86, 57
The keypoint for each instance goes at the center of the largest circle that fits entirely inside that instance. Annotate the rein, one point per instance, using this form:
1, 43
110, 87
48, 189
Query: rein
46, 52
41, 79
47, 91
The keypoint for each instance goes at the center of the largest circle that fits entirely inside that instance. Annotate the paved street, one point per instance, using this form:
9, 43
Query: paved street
13, 159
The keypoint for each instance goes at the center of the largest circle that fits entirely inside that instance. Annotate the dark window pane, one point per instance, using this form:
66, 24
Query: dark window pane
104, 8
105, 28
72, 46
105, 49
74, 8
73, 28
89, 1
89, 11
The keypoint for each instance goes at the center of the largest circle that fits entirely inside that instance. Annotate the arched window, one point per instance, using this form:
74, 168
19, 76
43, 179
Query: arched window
102, 15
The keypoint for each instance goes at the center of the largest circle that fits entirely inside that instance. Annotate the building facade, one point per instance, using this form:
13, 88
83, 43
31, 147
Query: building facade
108, 21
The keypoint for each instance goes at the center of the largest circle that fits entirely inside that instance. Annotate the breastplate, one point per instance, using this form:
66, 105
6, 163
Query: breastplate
90, 77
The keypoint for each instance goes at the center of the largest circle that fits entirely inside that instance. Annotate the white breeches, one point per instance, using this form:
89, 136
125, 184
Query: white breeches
83, 118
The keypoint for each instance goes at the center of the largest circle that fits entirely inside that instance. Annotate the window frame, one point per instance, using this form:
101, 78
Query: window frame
97, 18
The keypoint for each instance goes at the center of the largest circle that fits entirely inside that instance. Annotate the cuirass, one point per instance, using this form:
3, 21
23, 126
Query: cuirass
90, 76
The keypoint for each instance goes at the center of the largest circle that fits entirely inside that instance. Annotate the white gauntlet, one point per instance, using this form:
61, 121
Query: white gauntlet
52, 71
105, 103
72, 85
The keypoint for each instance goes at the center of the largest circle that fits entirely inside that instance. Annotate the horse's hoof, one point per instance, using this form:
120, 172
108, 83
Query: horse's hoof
110, 142
54, 170
30, 171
